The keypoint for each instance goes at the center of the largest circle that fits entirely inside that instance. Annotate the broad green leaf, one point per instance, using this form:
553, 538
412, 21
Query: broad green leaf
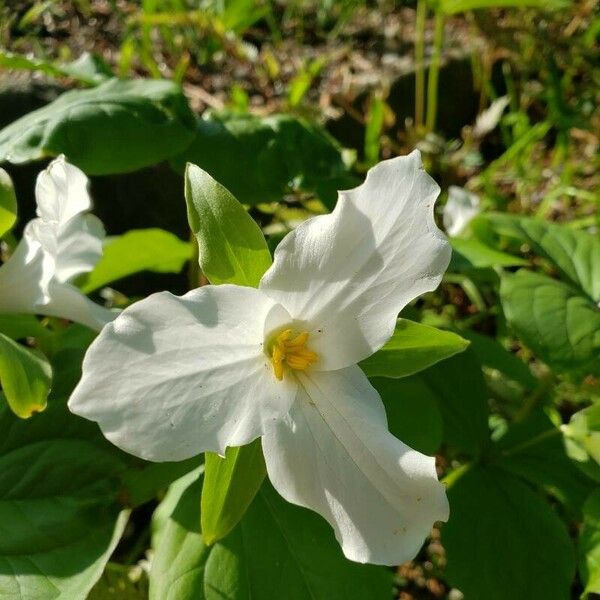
59, 488
412, 348
232, 248
534, 450
557, 321
413, 413
504, 541
276, 155
8, 203
25, 378
116, 127
451, 7
282, 551
233, 482
177, 571
473, 254
459, 388
589, 545
137, 250
575, 254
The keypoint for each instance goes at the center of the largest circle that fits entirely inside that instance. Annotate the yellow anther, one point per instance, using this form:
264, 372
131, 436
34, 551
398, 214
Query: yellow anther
289, 348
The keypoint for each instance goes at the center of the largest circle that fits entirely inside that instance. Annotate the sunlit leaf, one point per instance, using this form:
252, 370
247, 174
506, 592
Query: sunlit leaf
116, 127
232, 248
25, 378
412, 348
8, 203
138, 250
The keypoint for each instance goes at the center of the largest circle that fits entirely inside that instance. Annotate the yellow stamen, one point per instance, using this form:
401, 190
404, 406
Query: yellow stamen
289, 349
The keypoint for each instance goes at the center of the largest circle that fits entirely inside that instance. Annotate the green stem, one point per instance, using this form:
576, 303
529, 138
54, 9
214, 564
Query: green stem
434, 71
541, 437
456, 474
535, 397
420, 62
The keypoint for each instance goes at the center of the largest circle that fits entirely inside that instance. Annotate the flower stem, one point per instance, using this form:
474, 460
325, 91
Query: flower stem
434, 71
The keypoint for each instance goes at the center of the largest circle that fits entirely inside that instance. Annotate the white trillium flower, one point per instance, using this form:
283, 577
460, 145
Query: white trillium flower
460, 208
173, 376
63, 242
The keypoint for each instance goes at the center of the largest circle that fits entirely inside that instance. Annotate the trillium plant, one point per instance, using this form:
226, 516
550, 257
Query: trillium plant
63, 242
174, 376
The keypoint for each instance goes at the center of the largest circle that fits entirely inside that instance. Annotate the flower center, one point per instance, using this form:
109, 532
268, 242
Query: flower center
289, 348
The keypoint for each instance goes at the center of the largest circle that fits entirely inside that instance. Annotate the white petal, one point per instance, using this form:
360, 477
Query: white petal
334, 455
61, 192
20, 277
490, 117
175, 376
347, 275
67, 302
79, 247
459, 210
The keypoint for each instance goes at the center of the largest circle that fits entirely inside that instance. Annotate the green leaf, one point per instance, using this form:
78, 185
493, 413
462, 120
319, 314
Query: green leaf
559, 323
451, 7
589, 545
25, 378
459, 388
276, 155
88, 69
116, 127
534, 450
230, 486
177, 571
137, 250
413, 413
473, 254
283, 551
504, 541
18, 326
582, 435
8, 203
59, 509
493, 355
232, 248
412, 348
575, 254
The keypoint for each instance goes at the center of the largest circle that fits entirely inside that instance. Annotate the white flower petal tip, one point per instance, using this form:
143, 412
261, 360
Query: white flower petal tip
334, 454
173, 376
460, 209
348, 274
488, 120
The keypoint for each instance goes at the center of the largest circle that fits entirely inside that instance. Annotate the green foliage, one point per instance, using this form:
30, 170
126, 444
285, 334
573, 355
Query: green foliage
504, 541
412, 348
413, 412
88, 69
116, 127
231, 484
8, 203
59, 487
275, 547
557, 318
276, 155
451, 7
231, 246
589, 545
25, 378
153, 250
